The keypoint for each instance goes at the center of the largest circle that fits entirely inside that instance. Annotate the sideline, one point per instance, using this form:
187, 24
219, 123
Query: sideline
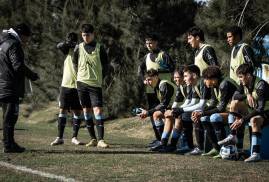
40, 173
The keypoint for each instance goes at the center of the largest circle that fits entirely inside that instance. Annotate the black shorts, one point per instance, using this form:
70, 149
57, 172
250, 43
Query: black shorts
265, 116
69, 99
89, 96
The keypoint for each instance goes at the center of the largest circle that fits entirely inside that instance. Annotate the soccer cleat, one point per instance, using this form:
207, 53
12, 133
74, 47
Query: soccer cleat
218, 156
168, 149
75, 141
57, 141
102, 144
14, 148
183, 150
255, 157
153, 143
195, 151
157, 147
229, 140
92, 143
212, 152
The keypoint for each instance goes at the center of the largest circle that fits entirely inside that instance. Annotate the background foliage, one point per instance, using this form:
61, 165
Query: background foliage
121, 26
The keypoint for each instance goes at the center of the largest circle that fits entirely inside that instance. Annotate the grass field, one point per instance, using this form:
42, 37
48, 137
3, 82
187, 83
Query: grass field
126, 160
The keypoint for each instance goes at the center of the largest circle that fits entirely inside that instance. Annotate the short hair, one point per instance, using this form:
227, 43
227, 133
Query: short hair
192, 69
152, 73
87, 28
196, 31
72, 37
179, 70
23, 29
245, 69
212, 72
151, 37
235, 30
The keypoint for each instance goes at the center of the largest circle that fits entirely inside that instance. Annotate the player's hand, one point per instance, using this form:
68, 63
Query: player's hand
143, 114
251, 101
168, 114
195, 116
237, 123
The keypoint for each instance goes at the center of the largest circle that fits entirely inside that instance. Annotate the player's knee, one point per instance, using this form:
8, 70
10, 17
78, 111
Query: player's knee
216, 118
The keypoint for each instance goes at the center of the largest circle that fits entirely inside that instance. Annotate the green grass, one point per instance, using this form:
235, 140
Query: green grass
126, 160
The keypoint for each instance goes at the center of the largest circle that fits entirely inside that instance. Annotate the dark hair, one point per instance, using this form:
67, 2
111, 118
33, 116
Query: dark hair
152, 37
245, 69
179, 70
87, 28
235, 30
212, 72
192, 69
72, 37
196, 31
23, 29
152, 73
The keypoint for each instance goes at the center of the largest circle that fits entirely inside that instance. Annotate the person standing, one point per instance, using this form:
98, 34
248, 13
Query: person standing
68, 99
13, 72
91, 61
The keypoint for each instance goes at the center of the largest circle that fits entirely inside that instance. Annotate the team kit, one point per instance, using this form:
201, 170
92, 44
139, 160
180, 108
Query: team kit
186, 103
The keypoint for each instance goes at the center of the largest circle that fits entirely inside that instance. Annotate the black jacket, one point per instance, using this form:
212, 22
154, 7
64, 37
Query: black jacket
12, 68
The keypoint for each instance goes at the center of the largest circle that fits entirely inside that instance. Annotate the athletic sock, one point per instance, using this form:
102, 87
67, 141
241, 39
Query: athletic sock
89, 125
61, 125
255, 142
100, 126
76, 125
175, 136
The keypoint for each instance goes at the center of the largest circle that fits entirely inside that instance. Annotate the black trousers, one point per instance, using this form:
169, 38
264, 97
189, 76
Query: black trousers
10, 109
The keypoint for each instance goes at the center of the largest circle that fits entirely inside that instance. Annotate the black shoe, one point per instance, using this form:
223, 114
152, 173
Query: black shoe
153, 143
183, 150
157, 147
168, 149
14, 148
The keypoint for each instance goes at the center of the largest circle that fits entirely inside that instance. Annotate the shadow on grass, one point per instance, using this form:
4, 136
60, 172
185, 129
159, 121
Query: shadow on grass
105, 151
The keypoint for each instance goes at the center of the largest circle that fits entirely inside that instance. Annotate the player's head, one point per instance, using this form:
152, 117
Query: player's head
179, 76
191, 74
245, 73
195, 36
234, 35
151, 41
152, 78
87, 33
212, 76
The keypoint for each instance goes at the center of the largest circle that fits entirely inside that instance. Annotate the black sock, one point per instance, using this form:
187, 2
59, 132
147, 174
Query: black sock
256, 142
219, 130
100, 128
175, 136
76, 126
90, 127
211, 136
199, 135
240, 137
187, 132
61, 126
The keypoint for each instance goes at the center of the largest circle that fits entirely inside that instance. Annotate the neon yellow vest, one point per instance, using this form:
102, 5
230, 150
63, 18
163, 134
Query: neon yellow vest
236, 62
199, 61
254, 93
159, 96
90, 67
69, 74
156, 66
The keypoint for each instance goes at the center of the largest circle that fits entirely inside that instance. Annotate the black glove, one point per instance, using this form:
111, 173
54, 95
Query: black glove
177, 112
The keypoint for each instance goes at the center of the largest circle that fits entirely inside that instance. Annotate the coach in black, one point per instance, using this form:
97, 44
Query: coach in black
12, 78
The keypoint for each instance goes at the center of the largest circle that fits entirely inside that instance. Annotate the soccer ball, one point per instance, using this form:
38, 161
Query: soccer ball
229, 152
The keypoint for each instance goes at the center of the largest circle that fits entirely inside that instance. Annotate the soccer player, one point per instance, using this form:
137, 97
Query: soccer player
259, 108
92, 64
181, 94
205, 54
165, 91
213, 119
68, 99
198, 93
159, 60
